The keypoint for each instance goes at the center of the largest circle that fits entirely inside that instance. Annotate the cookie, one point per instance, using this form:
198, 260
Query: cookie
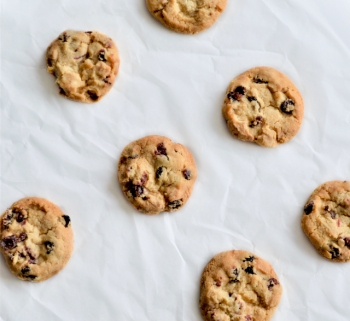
239, 286
326, 220
85, 64
186, 16
36, 239
263, 106
156, 174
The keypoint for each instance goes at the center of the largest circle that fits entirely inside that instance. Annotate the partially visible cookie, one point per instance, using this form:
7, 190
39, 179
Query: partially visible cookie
36, 239
326, 220
263, 106
85, 64
239, 286
186, 16
156, 174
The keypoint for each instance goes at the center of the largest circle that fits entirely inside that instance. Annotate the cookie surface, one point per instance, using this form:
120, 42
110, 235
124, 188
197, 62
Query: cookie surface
36, 239
186, 16
156, 174
239, 286
326, 220
85, 64
263, 106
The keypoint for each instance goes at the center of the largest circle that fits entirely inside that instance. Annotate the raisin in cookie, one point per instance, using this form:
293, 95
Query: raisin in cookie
85, 64
263, 106
156, 174
326, 220
186, 16
239, 286
36, 239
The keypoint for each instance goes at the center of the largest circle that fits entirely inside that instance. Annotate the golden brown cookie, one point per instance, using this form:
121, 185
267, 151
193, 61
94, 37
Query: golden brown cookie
36, 239
326, 220
186, 16
85, 64
263, 106
239, 286
156, 174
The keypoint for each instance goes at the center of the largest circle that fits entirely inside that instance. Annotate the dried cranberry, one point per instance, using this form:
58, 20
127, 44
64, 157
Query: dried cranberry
135, 190
49, 246
174, 204
347, 241
32, 257
257, 121
66, 220
9, 242
287, 106
159, 172
249, 259
334, 252
237, 94
248, 318
7, 220
258, 80
101, 55
88, 32
25, 270
308, 208
218, 283
161, 150
249, 270
92, 95
22, 237
144, 178
187, 174
272, 283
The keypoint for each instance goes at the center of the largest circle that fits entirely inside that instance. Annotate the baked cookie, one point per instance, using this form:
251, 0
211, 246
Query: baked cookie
186, 16
36, 239
85, 64
326, 220
263, 106
156, 174
239, 286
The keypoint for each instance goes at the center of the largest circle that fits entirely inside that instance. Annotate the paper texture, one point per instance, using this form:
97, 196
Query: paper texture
126, 265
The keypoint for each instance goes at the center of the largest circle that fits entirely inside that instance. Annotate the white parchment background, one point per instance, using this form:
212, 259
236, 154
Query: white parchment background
126, 265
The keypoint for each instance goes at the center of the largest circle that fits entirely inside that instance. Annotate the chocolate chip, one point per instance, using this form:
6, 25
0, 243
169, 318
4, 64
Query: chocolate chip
347, 241
62, 92
32, 277
133, 156
174, 204
187, 174
257, 121
309, 208
287, 106
272, 282
66, 220
49, 246
334, 252
9, 242
230, 294
161, 150
326, 208
258, 80
22, 237
92, 95
249, 270
7, 220
49, 62
332, 214
159, 172
25, 270
135, 190
20, 217
237, 94
64, 37
252, 98
101, 55
87, 55
235, 272
89, 32
249, 259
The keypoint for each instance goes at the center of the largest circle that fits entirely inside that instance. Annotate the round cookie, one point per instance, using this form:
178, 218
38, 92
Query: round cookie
156, 174
326, 220
239, 286
263, 106
36, 239
186, 16
85, 64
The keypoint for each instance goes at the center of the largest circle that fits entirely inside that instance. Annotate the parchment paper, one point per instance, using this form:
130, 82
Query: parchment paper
126, 265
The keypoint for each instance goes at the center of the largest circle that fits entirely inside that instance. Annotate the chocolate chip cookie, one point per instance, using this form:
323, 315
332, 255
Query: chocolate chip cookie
36, 239
85, 64
326, 220
263, 106
156, 174
186, 16
239, 286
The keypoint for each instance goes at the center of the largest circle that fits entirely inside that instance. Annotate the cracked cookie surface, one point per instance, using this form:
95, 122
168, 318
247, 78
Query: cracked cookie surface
263, 106
156, 174
36, 239
85, 64
186, 16
239, 286
326, 220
